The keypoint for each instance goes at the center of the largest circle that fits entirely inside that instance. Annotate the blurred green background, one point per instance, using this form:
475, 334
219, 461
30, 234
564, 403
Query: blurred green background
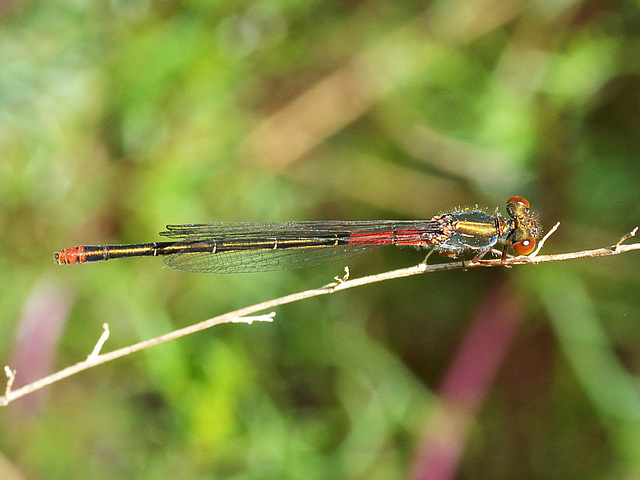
119, 117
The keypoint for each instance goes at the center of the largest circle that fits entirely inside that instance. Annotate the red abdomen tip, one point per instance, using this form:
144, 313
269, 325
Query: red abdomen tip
69, 256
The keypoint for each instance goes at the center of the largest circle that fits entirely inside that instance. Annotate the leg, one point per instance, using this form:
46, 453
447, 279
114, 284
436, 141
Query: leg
479, 256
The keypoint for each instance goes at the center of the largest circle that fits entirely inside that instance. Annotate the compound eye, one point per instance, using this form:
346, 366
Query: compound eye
519, 200
525, 247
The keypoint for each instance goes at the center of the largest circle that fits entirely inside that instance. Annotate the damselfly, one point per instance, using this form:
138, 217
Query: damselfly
262, 247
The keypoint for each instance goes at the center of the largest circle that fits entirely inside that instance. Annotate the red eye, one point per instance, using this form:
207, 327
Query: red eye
525, 247
520, 200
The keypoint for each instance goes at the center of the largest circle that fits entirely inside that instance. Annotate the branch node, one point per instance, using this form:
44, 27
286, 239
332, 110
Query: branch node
338, 281
426, 258
624, 238
11, 377
343, 278
100, 343
267, 317
544, 239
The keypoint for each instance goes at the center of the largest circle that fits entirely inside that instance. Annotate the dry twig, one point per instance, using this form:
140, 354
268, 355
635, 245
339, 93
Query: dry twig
241, 316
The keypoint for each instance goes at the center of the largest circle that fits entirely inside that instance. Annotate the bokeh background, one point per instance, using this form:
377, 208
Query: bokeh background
119, 117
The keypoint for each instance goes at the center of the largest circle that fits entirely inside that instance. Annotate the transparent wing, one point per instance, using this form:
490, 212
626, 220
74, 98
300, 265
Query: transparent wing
265, 260
264, 247
292, 229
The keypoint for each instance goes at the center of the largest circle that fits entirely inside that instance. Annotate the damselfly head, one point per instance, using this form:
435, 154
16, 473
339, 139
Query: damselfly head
525, 227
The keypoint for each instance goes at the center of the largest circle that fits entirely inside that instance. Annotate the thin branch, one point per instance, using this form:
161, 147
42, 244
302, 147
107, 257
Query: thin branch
11, 376
624, 238
544, 239
94, 360
101, 341
240, 316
